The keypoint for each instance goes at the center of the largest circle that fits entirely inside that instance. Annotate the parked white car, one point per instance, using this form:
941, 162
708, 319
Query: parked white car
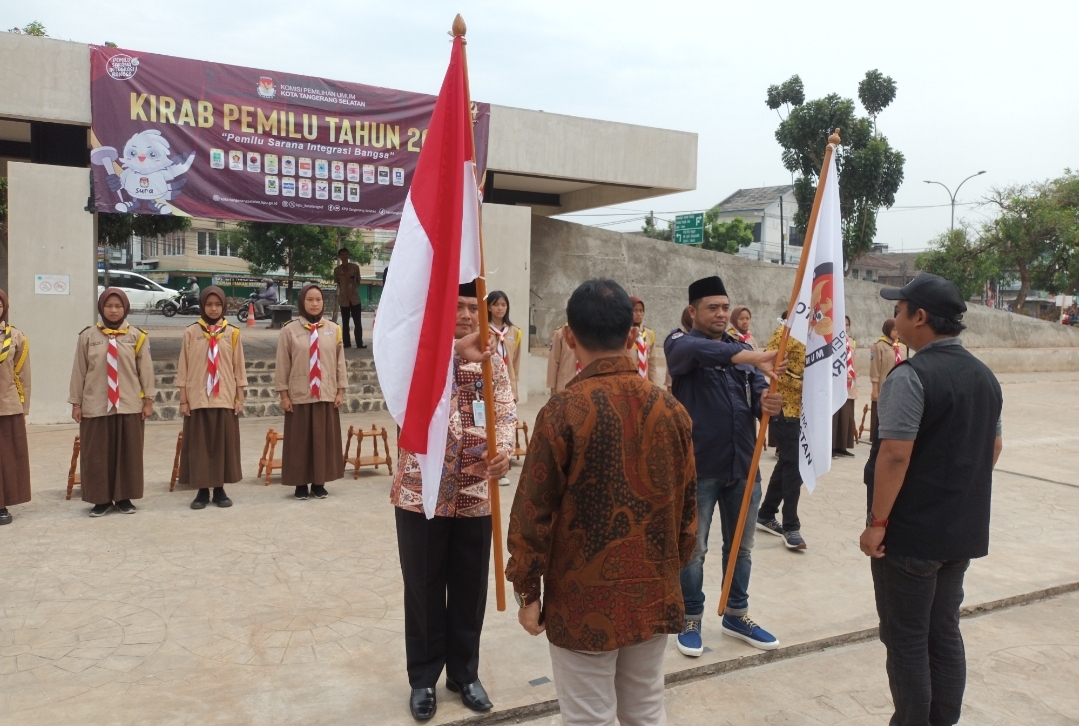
142, 292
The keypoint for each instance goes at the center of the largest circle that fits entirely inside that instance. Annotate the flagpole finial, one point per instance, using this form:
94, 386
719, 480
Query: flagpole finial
833, 139
458, 27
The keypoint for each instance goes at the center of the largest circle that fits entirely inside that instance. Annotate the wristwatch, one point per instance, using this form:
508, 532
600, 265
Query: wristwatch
524, 599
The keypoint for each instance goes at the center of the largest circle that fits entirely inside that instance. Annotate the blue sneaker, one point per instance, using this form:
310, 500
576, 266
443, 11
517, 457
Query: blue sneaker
689, 640
743, 628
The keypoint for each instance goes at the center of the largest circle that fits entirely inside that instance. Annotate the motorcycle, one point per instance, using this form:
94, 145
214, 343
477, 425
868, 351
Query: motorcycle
182, 303
242, 312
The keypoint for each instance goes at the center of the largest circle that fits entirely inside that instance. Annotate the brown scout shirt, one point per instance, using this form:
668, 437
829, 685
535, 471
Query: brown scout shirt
90, 372
231, 370
882, 358
293, 362
561, 363
347, 279
606, 510
9, 392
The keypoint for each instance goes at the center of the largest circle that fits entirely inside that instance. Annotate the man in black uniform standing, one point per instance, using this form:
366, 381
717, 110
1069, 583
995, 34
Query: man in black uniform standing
930, 476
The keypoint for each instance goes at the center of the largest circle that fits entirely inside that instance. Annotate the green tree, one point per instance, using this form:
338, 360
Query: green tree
353, 242
787, 95
1036, 234
729, 236
876, 92
35, 28
114, 230
870, 170
650, 230
959, 256
299, 249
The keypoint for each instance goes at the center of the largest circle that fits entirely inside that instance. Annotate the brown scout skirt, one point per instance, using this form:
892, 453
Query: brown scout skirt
111, 457
211, 450
843, 426
14, 461
312, 449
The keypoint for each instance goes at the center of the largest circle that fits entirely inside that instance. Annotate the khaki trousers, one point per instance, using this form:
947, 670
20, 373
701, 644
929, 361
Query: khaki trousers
595, 688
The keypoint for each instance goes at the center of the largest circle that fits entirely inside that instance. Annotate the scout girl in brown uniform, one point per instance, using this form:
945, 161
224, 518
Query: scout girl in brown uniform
211, 377
311, 380
14, 405
112, 394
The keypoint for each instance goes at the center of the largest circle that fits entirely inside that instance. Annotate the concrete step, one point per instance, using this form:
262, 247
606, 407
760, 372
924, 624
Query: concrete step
363, 393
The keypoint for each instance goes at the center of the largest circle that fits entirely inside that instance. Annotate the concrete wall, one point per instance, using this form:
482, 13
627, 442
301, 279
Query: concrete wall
507, 235
44, 80
565, 254
49, 233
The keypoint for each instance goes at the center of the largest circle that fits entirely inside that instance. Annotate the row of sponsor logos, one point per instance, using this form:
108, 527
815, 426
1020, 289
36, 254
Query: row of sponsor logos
306, 188
304, 166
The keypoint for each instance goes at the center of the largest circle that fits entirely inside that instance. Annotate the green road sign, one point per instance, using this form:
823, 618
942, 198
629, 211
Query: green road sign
689, 229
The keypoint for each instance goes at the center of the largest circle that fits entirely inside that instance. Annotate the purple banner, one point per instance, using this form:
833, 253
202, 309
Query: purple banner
180, 136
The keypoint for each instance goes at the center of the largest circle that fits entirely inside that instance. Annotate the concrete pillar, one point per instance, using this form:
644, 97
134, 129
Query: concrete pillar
50, 233
507, 246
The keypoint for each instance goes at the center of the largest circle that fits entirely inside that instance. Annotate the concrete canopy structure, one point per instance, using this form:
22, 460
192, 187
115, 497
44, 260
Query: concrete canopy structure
539, 163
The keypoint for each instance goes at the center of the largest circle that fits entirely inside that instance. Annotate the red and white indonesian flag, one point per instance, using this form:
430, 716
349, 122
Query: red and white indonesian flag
819, 322
437, 248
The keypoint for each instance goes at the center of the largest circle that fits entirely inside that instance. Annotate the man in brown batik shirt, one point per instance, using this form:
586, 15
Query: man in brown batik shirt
606, 516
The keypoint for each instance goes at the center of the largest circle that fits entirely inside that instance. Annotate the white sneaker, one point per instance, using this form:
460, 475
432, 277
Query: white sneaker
503, 482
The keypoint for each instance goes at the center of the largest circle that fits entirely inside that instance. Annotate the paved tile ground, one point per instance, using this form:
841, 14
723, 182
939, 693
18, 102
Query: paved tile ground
1023, 664
280, 611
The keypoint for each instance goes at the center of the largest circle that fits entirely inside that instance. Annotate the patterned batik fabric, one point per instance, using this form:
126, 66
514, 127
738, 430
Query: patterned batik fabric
463, 492
606, 510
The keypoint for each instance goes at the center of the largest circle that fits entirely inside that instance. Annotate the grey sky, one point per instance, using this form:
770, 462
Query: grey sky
982, 85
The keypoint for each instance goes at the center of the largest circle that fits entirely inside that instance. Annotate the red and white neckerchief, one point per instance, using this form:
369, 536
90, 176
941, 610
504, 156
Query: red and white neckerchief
851, 374
642, 355
898, 356
578, 368
742, 337
213, 334
112, 360
501, 334
314, 370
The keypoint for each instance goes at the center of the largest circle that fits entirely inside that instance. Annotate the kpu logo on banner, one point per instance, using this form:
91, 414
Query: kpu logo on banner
266, 88
122, 67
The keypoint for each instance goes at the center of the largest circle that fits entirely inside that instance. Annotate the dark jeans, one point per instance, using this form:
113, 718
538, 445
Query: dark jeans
728, 497
444, 563
918, 606
354, 312
785, 485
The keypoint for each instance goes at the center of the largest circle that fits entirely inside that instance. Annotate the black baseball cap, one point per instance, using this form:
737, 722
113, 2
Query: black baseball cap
931, 293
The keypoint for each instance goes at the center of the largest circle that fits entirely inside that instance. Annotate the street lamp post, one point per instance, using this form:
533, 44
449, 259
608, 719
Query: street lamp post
953, 196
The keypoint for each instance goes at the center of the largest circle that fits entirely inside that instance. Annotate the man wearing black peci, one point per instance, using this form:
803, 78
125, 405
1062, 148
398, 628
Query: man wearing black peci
930, 478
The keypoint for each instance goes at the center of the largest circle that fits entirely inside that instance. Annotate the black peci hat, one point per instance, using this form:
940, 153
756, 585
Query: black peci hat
467, 289
931, 293
707, 287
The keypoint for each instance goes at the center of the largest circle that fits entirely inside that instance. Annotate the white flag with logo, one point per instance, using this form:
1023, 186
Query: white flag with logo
818, 321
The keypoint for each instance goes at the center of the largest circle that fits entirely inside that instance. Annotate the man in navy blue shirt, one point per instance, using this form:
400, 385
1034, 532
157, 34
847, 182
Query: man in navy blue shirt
722, 383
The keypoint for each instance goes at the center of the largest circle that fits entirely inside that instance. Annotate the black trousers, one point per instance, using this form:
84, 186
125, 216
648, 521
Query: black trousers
353, 312
918, 606
445, 562
785, 484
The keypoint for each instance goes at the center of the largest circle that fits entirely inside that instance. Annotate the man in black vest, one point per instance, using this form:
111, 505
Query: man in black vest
930, 476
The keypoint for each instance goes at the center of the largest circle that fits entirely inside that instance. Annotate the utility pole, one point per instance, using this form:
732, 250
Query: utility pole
782, 235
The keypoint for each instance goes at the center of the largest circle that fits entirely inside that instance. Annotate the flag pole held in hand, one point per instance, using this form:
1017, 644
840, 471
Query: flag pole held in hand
459, 29
781, 354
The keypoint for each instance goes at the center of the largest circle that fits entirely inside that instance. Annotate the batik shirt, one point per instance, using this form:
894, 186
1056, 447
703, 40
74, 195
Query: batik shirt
463, 491
606, 510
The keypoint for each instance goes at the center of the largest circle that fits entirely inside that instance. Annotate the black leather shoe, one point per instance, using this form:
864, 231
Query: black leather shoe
422, 703
472, 694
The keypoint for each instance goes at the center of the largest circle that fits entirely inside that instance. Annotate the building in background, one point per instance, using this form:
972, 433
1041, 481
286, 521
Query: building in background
771, 211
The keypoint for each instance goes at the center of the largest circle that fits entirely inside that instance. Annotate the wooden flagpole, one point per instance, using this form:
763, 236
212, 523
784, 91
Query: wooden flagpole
803, 261
459, 29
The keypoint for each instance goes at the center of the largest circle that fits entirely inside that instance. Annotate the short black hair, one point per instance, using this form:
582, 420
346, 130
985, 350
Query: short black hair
345, 250
600, 315
939, 325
